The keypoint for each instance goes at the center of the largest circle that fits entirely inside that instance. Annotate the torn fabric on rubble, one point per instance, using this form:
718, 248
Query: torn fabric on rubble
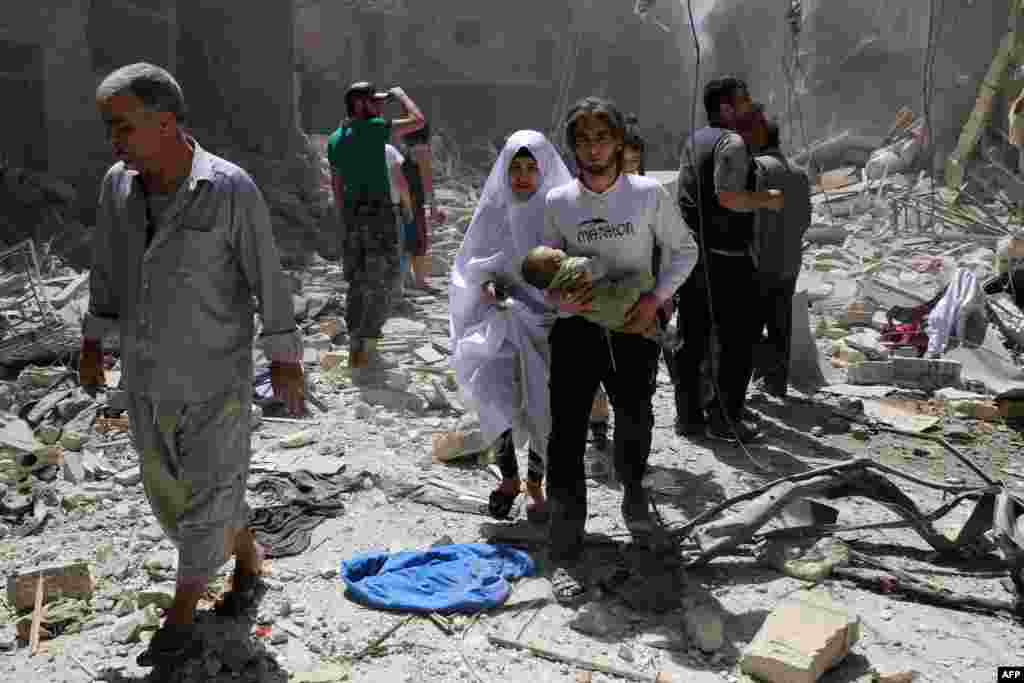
960, 311
500, 355
463, 578
306, 500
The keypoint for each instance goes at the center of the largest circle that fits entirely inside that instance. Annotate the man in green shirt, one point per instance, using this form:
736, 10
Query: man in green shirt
360, 180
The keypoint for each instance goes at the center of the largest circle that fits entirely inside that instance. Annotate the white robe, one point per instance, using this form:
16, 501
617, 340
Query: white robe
501, 356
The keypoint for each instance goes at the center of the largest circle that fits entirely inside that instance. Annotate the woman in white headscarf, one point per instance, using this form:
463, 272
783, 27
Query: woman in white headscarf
500, 324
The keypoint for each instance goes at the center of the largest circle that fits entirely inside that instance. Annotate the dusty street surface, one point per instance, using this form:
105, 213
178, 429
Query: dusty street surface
306, 624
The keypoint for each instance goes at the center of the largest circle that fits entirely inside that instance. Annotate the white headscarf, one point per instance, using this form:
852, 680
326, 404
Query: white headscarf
502, 231
500, 356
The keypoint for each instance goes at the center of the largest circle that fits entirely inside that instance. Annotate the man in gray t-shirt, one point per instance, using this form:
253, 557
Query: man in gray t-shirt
718, 200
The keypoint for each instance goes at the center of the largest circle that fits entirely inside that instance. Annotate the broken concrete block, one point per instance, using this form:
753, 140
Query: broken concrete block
74, 470
706, 628
46, 405
48, 433
319, 342
869, 343
127, 629
129, 477
332, 359
801, 639
16, 434
392, 399
870, 372
161, 598
454, 445
428, 354
73, 441
298, 439
925, 373
34, 376
59, 581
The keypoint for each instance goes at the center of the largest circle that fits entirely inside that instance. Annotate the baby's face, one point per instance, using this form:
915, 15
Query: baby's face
550, 259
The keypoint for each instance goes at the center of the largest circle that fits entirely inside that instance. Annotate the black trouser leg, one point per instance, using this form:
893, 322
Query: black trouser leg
694, 325
507, 462
732, 292
631, 385
534, 468
778, 296
579, 361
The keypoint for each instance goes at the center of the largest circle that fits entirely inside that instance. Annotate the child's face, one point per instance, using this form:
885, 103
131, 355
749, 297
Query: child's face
630, 160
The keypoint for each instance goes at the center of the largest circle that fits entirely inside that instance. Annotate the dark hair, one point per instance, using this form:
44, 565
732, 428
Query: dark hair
601, 108
523, 152
535, 277
773, 138
721, 91
632, 138
154, 86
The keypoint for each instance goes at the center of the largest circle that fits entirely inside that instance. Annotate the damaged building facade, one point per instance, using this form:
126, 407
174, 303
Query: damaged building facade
861, 62
483, 70
237, 69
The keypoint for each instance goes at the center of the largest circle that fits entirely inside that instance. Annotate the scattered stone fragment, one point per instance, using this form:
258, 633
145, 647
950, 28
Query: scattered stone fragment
801, 639
16, 434
428, 354
817, 431
129, 477
298, 439
626, 653
46, 406
595, 619
162, 598
860, 432
705, 627
8, 638
74, 470
127, 629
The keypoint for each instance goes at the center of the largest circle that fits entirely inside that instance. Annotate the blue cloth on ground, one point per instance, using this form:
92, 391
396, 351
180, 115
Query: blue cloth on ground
464, 578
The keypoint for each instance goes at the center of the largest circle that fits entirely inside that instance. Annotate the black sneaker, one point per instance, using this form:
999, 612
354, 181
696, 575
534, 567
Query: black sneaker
738, 431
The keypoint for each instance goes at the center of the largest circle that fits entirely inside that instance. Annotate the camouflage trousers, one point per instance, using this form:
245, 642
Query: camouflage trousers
195, 460
370, 258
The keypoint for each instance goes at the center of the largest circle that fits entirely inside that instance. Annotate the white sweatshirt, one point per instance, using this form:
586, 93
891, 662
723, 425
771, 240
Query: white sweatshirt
620, 228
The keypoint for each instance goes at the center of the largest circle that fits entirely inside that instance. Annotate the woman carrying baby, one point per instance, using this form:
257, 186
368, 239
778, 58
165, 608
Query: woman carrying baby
500, 324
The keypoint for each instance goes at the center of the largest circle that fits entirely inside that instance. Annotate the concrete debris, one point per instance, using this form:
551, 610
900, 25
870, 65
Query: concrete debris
129, 477
801, 639
706, 627
128, 628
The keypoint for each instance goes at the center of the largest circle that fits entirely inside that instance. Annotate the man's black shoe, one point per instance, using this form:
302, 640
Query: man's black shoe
738, 431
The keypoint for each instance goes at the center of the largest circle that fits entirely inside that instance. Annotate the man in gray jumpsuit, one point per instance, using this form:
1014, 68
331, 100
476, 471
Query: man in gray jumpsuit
183, 244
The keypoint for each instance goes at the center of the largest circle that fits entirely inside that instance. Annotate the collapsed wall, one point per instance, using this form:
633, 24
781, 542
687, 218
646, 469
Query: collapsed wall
861, 62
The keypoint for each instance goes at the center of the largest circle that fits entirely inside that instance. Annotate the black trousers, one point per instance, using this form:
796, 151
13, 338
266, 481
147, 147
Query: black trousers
733, 297
776, 312
583, 355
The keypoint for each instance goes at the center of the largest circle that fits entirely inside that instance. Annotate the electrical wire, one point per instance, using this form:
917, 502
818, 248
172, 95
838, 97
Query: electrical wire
927, 91
702, 242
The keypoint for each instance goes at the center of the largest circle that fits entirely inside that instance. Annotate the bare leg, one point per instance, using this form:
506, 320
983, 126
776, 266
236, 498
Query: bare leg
186, 597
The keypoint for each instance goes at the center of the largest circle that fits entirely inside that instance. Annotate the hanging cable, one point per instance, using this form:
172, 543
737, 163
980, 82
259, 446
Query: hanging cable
927, 91
702, 243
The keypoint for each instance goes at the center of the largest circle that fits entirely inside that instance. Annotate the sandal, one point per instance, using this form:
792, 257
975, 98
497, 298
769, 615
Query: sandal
501, 500
568, 590
171, 645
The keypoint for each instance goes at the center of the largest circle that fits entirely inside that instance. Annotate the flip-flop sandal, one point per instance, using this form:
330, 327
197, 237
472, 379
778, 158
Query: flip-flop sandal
171, 645
567, 590
500, 503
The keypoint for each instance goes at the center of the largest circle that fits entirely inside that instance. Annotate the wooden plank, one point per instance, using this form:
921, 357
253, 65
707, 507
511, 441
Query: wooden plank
60, 581
37, 617
956, 165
